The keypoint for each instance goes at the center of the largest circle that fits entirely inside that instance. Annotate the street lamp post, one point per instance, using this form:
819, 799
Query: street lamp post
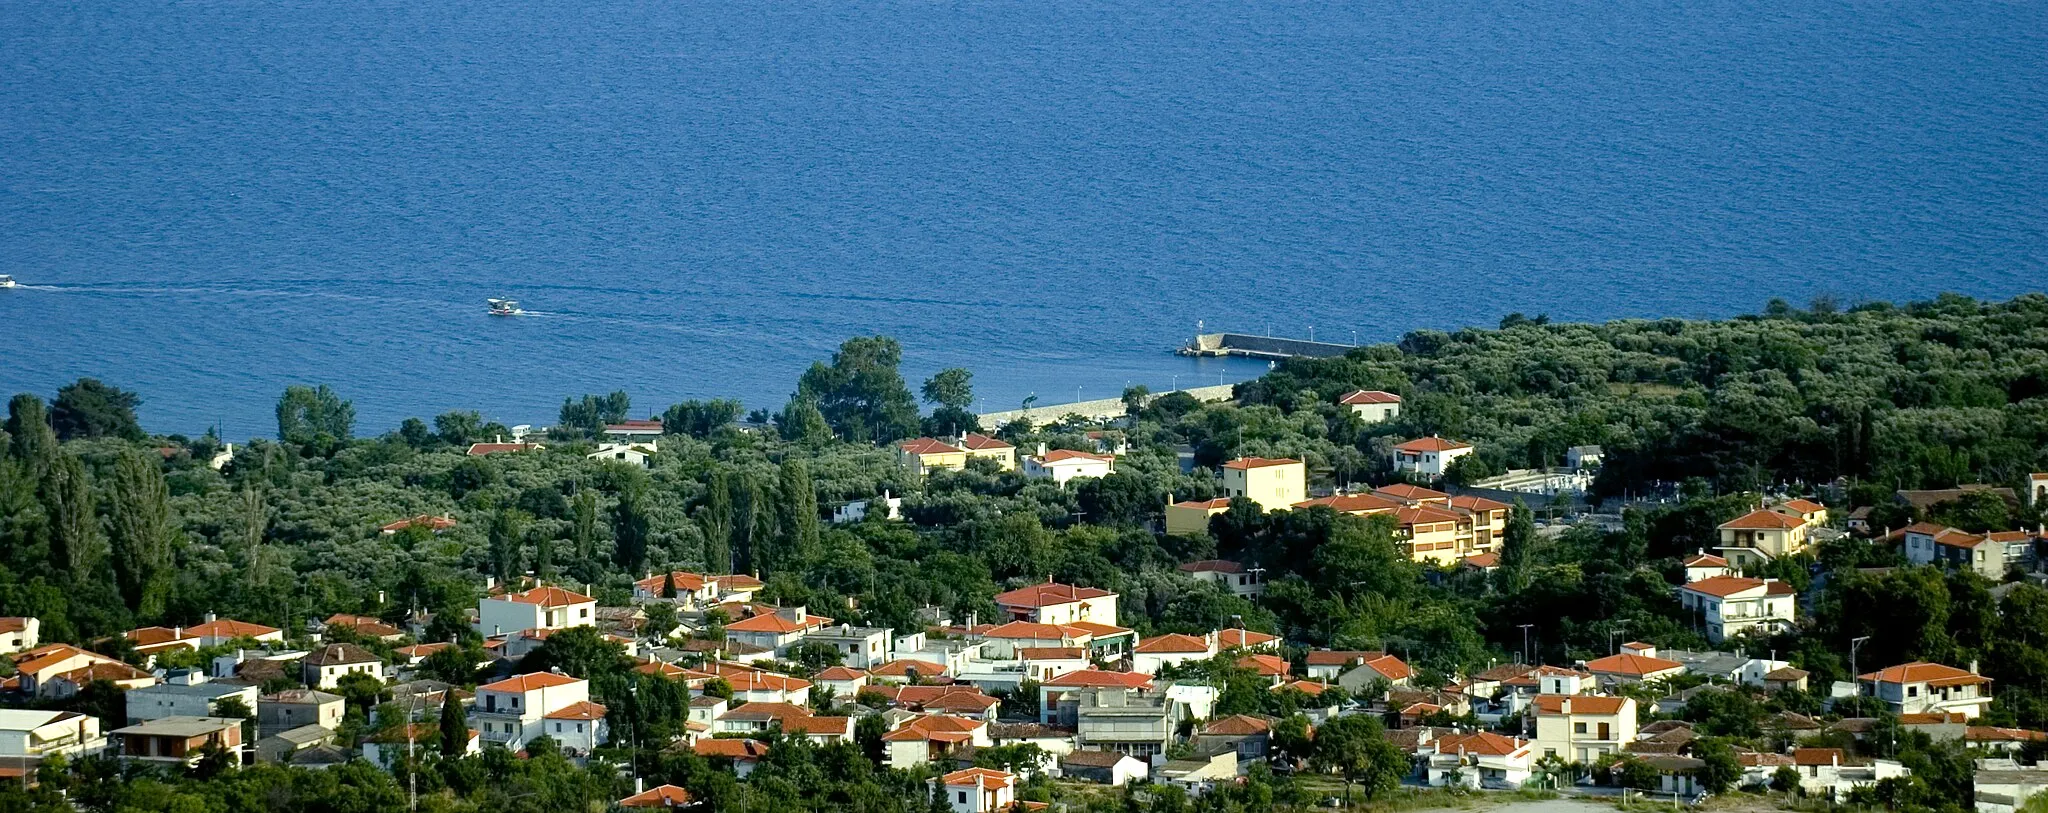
1855, 682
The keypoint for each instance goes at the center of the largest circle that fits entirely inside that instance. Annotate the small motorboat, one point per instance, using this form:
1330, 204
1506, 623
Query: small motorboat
6, 281
505, 307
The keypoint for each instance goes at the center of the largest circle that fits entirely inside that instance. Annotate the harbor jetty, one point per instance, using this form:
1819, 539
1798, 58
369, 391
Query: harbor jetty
1098, 409
1260, 347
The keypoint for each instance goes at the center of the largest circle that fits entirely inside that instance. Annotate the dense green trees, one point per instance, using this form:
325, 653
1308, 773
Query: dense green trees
314, 416
594, 412
87, 408
860, 394
142, 531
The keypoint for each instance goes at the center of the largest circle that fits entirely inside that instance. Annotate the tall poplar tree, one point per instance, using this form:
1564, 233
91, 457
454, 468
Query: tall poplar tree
715, 518
29, 436
796, 518
630, 529
141, 525
77, 544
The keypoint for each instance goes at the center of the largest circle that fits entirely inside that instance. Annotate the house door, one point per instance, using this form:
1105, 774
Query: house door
1604, 733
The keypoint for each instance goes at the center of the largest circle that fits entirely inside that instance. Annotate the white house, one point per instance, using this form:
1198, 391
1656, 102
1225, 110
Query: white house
1104, 767
1732, 605
858, 647
1372, 406
1055, 603
1481, 760
1430, 456
1002, 642
933, 737
979, 790
778, 630
578, 727
634, 454
635, 431
757, 686
388, 747
18, 633
516, 709
1583, 458
28, 734
1704, 565
1830, 774
323, 668
1924, 688
188, 695
1234, 578
1581, 728
1061, 465
218, 631
1171, 650
549, 608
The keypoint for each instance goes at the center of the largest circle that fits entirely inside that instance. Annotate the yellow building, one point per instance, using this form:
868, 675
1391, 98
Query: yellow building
1437, 527
1582, 728
1435, 535
1761, 535
984, 446
1812, 513
1192, 517
1274, 484
926, 455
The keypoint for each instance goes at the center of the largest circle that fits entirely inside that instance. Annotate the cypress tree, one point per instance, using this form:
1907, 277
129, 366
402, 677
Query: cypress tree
141, 535
748, 515
506, 529
1514, 549
29, 436
77, 544
715, 517
583, 529
454, 730
796, 517
630, 529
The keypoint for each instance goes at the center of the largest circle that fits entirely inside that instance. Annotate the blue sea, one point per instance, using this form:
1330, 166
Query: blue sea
208, 200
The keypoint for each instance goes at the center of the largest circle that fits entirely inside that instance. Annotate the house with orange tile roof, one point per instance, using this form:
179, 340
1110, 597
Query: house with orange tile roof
1829, 773
743, 754
778, 630
35, 668
959, 700
1191, 517
18, 633
931, 738
1991, 555
1273, 483
978, 790
1357, 505
481, 449
1582, 727
906, 670
1056, 697
1727, 606
219, 631
363, 626
511, 711
1064, 465
1003, 641
1636, 663
1357, 671
844, 681
1372, 406
578, 728
1479, 760
1761, 535
1234, 578
1430, 456
663, 797
1812, 513
1043, 663
1053, 603
689, 588
547, 608
1160, 651
922, 456
151, 641
1251, 737
1922, 688
1410, 494
757, 686
1235, 638
427, 521
988, 448
1704, 565
756, 718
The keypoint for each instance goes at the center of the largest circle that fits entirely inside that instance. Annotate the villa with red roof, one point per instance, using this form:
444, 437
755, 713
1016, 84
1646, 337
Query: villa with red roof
1372, 406
979, 790
933, 737
427, 521
1760, 536
1246, 639
1430, 456
1191, 517
1479, 760
1636, 663
1732, 605
511, 711
1990, 555
1704, 565
983, 446
922, 456
664, 797
1234, 578
1925, 688
689, 588
1051, 711
1582, 727
778, 630
546, 608
18, 633
1063, 465
1273, 483
1055, 603
1161, 651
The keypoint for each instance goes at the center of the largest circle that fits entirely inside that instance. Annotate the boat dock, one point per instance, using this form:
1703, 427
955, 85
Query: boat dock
1098, 409
1260, 347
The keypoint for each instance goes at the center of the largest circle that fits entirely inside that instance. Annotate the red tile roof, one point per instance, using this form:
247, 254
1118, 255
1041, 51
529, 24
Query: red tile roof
1216, 504
1212, 565
1485, 743
1265, 665
1424, 515
1723, 586
1051, 653
1260, 462
984, 778
1243, 638
1351, 503
1817, 756
1762, 520
633, 425
840, 673
480, 449
1631, 665
1410, 493
581, 710
1803, 506
1483, 561
1098, 678
1356, 397
686, 582
1706, 560
427, 521
528, 682
903, 667
1922, 672
663, 796
548, 597
1580, 704
1431, 444
979, 443
1100, 630
1172, 644
775, 623
1063, 455
936, 727
1032, 631
730, 748
1471, 503
1237, 725
1049, 594
230, 628
924, 446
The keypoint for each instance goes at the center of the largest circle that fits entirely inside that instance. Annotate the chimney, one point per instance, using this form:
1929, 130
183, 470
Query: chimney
1973, 666
1041, 449
209, 618
380, 598
796, 613
490, 582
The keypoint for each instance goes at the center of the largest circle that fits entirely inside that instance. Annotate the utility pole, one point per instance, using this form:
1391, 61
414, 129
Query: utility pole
1525, 641
1854, 681
412, 768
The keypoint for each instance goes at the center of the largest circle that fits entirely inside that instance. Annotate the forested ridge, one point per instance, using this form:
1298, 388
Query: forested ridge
105, 528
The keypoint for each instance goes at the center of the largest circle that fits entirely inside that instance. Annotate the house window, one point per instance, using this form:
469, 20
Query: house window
1578, 728
963, 797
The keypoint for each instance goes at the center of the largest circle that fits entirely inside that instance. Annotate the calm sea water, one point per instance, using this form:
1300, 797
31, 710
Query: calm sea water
213, 200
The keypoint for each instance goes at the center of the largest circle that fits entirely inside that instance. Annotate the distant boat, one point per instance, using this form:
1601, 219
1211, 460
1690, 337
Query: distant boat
6, 281
505, 307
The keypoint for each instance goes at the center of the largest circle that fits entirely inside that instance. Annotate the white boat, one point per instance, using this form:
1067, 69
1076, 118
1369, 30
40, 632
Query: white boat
6, 281
505, 307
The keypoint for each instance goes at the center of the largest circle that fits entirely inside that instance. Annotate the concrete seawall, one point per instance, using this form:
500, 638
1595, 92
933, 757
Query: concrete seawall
1260, 347
1099, 409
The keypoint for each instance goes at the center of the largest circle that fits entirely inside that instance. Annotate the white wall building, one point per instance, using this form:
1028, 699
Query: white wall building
32, 734
548, 608
1732, 605
514, 710
1062, 465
